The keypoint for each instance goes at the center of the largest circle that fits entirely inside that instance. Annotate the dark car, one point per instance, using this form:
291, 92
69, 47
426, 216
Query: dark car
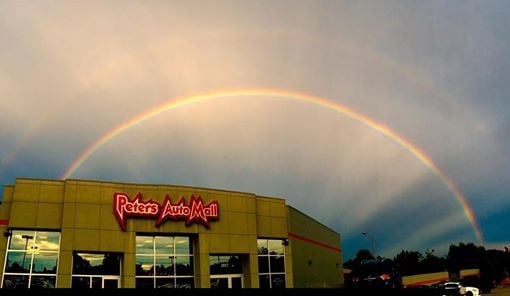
377, 273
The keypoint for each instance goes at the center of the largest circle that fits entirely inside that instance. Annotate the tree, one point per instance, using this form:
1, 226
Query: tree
494, 265
408, 262
464, 256
361, 256
432, 263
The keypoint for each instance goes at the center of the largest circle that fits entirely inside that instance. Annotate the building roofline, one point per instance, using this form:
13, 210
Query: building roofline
315, 219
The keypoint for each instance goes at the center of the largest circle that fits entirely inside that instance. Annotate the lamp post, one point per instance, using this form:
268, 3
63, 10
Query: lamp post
372, 243
26, 237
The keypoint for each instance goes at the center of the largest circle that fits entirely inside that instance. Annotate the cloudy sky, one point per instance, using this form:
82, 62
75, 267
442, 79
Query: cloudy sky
386, 117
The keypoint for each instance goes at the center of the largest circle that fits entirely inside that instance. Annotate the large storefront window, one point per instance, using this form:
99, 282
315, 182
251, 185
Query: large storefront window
96, 270
271, 263
164, 262
31, 259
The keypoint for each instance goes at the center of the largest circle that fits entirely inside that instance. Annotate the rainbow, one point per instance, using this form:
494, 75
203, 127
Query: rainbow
279, 93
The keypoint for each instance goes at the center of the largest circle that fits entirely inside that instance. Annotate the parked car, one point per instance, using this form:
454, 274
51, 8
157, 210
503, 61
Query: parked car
458, 289
376, 273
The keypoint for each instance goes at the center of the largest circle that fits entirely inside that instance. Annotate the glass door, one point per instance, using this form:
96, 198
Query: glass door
96, 270
110, 282
236, 281
226, 281
226, 270
96, 282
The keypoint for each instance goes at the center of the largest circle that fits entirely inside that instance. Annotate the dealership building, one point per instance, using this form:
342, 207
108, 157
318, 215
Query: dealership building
97, 234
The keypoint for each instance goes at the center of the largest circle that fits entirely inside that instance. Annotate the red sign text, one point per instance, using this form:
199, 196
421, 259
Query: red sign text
194, 212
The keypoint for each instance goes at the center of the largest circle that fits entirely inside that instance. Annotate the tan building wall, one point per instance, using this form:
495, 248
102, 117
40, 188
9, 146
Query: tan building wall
316, 251
83, 212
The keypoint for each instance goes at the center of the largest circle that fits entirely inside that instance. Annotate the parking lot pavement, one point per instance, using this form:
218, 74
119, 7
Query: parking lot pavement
500, 291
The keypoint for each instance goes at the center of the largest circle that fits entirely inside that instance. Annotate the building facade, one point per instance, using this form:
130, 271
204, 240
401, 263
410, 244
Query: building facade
94, 234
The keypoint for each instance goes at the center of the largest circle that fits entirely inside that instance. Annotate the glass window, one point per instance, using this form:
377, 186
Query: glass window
277, 263
47, 241
82, 282
184, 265
182, 245
184, 283
96, 264
263, 264
271, 258
16, 262
264, 281
89, 269
275, 246
145, 245
262, 247
45, 262
165, 265
15, 281
144, 265
165, 282
277, 281
164, 262
164, 245
145, 282
31, 259
225, 264
43, 282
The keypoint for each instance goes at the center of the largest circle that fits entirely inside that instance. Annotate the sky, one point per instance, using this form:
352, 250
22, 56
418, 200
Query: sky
385, 117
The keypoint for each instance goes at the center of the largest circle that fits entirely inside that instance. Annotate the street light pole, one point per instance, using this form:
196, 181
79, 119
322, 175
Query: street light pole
372, 243
26, 237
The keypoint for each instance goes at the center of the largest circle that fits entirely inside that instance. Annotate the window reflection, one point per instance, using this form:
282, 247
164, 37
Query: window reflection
144, 245
15, 281
164, 262
271, 258
164, 245
96, 264
277, 263
162, 282
182, 245
225, 264
275, 247
144, 282
164, 265
47, 282
81, 282
31, 259
45, 263
20, 239
90, 268
144, 265
47, 241
14, 263
262, 247
184, 265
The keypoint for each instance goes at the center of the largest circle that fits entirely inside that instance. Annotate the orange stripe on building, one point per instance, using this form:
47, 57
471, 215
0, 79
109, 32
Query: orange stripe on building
313, 242
428, 282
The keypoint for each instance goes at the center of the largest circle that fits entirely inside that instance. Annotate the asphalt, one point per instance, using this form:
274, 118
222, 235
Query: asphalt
500, 291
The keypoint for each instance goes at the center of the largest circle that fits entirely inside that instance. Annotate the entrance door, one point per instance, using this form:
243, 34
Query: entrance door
111, 282
227, 281
96, 270
96, 282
